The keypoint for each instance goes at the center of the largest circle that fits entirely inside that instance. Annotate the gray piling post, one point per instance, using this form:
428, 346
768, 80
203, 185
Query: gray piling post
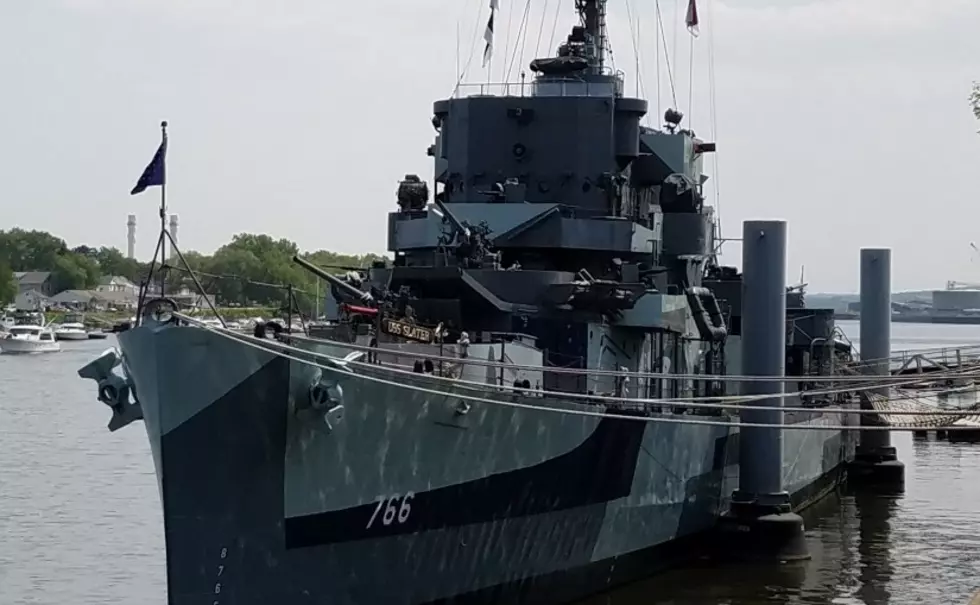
876, 460
760, 524
764, 347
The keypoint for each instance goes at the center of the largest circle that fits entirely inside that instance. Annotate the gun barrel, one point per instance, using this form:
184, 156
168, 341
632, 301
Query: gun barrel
333, 279
456, 223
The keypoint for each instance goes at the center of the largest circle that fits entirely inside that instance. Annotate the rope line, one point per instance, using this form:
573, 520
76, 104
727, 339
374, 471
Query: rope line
544, 14
278, 348
635, 40
570, 411
554, 26
663, 38
898, 379
469, 58
519, 41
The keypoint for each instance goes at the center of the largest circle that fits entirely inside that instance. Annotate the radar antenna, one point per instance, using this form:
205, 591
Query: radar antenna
593, 16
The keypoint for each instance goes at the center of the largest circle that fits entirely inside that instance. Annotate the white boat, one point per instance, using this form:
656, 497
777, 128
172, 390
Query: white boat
29, 339
71, 331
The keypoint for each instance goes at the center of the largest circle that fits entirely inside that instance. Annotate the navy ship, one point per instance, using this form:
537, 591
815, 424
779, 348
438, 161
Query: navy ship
489, 417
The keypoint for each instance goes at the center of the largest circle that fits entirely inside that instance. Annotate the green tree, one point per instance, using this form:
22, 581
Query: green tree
112, 262
73, 271
262, 265
31, 250
8, 287
333, 262
251, 269
178, 276
238, 266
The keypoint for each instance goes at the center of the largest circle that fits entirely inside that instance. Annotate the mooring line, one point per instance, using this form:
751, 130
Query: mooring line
696, 402
513, 404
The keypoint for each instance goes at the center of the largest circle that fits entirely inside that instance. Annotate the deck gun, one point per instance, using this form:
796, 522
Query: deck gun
473, 247
361, 295
382, 312
458, 225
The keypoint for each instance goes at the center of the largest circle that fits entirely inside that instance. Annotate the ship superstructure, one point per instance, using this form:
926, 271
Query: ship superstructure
557, 216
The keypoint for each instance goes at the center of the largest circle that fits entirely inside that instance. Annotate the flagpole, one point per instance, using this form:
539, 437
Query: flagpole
163, 221
488, 49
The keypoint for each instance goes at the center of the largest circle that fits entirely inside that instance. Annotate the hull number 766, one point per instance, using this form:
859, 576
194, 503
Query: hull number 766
392, 509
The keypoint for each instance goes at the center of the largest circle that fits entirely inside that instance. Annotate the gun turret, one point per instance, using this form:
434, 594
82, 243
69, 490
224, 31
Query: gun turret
334, 280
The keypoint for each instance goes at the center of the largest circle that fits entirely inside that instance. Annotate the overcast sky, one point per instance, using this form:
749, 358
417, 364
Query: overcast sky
846, 118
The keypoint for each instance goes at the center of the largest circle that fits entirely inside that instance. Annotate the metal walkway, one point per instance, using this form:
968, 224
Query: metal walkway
935, 360
954, 388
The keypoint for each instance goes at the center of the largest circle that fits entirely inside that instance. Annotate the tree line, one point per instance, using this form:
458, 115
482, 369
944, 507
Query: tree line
245, 271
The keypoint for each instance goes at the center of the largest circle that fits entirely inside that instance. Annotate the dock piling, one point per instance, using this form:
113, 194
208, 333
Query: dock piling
760, 523
876, 461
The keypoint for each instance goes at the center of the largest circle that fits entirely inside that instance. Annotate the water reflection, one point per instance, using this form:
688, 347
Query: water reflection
729, 585
867, 547
874, 511
850, 543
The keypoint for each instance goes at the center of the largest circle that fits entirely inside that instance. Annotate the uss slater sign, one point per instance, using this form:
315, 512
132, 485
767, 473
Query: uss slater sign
407, 330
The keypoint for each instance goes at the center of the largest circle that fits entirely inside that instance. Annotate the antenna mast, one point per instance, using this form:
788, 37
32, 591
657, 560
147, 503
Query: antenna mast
593, 16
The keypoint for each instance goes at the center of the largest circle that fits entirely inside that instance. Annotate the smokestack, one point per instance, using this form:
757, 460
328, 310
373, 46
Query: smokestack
131, 236
173, 228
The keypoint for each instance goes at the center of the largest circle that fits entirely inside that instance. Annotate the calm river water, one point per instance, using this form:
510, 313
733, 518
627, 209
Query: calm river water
80, 519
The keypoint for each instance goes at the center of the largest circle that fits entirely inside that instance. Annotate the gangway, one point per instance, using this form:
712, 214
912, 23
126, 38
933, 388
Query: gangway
938, 359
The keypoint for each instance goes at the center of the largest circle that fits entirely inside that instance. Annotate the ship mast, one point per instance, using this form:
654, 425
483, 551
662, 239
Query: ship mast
593, 16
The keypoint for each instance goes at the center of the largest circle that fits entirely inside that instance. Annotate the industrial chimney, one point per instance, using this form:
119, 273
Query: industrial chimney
173, 228
131, 236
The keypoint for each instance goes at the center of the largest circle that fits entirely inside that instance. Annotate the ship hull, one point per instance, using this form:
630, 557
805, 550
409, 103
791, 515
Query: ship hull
403, 500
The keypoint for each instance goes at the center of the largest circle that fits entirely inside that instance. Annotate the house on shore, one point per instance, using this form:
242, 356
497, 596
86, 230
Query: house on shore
117, 283
94, 300
39, 281
31, 300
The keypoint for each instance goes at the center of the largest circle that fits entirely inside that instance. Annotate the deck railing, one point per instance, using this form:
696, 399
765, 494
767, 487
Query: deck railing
564, 87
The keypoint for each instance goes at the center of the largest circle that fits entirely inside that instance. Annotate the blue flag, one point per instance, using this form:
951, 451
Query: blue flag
156, 171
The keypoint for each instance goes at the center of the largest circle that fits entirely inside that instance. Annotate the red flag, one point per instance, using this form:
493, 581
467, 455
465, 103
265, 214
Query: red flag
692, 18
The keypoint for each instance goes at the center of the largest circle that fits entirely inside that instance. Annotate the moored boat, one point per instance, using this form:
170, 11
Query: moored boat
27, 338
71, 331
